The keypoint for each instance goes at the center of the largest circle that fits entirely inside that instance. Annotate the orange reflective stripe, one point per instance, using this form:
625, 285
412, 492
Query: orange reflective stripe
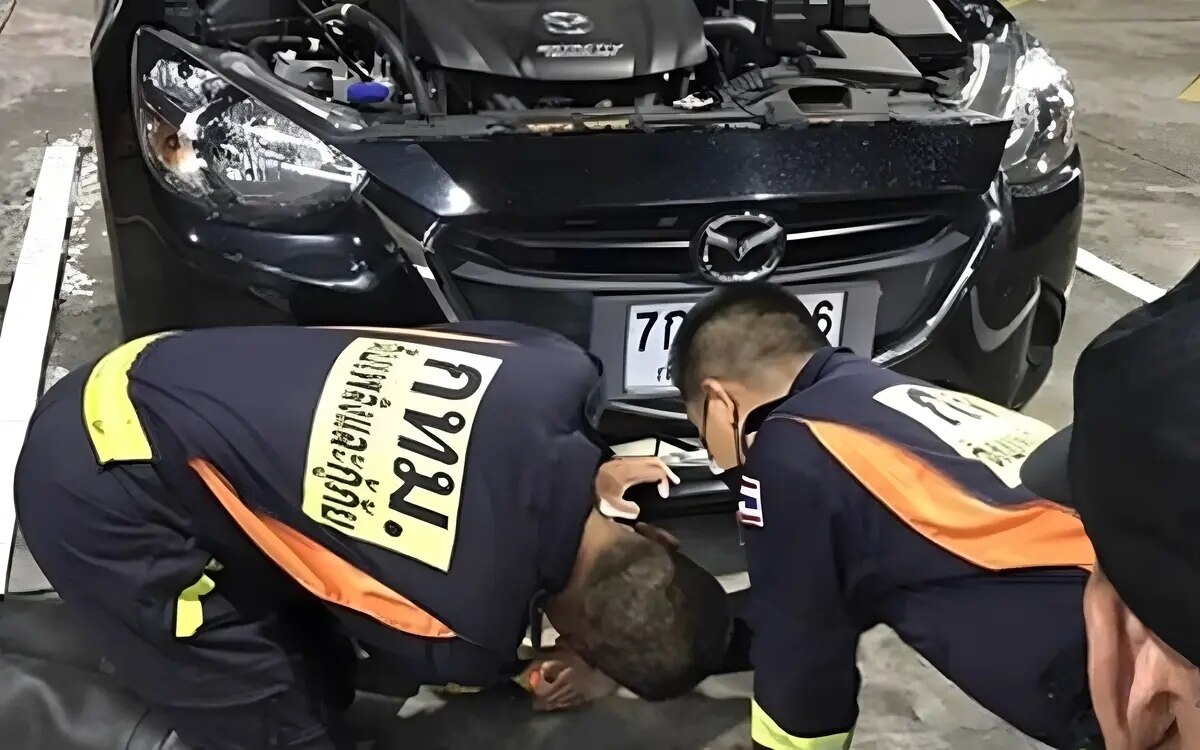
424, 333
318, 570
1031, 535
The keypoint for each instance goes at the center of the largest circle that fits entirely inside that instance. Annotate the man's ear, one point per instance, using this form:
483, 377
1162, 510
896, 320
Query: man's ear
655, 534
717, 396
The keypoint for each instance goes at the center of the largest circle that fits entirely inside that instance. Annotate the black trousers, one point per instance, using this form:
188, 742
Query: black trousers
259, 666
1076, 728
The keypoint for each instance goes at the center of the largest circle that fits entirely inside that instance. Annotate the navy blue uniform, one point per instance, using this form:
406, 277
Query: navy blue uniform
222, 505
869, 498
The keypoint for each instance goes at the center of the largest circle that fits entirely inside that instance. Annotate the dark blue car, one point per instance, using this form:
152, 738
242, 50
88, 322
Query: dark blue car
908, 167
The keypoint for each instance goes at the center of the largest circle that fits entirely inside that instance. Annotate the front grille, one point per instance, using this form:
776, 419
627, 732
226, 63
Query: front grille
657, 242
574, 276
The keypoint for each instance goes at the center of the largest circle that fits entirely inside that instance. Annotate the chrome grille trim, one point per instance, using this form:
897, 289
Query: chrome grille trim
813, 234
917, 340
417, 252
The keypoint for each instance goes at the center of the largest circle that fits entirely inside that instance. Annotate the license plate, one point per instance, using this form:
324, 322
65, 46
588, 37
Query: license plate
651, 328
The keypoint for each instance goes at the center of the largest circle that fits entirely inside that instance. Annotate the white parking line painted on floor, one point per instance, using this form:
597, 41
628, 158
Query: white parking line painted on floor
1092, 264
6, 12
25, 333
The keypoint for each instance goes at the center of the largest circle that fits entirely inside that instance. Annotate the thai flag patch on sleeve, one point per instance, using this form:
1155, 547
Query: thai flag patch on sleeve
749, 510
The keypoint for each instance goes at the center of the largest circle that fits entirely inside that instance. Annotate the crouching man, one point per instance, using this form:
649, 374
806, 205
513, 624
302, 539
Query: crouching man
870, 498
230, 511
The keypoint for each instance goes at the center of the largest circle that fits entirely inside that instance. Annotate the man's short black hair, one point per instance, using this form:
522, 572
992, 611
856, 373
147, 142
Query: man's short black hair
654, 621
737, 330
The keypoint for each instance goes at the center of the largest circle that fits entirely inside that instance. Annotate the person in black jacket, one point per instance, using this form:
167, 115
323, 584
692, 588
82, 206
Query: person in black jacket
867, 498
1130, 464
234, 512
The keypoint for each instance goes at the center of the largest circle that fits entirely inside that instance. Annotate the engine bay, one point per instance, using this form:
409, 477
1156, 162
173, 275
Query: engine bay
765, 61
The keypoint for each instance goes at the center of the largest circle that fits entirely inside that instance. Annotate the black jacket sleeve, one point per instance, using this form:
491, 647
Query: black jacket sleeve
805, 638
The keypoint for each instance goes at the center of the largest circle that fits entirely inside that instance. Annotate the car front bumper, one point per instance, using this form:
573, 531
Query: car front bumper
975, 302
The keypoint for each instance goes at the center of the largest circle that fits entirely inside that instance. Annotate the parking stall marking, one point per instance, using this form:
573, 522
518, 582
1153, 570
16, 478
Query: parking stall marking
1094, 265
28, 320
6, 11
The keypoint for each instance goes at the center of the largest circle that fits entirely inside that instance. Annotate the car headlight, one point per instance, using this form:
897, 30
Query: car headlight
1013, 76
1041, 103
225, 150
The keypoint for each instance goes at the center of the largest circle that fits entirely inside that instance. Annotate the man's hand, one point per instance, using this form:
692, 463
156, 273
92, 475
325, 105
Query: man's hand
565, 681
617, 475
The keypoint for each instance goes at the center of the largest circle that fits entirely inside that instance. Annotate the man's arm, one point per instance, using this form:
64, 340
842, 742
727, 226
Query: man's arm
805, 639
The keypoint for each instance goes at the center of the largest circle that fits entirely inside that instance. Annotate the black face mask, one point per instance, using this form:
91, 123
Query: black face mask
732, 478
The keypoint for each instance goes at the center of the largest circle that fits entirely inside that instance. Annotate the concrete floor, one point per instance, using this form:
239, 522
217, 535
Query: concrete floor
1129, 63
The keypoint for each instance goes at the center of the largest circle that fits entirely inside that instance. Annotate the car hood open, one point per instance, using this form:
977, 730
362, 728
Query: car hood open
893, 159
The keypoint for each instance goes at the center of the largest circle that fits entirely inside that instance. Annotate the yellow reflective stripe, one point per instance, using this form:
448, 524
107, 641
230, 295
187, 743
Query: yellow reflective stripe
111, 421
764, 731
189, 610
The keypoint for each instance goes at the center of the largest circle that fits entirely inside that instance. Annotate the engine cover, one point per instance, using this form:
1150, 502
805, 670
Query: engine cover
584, 40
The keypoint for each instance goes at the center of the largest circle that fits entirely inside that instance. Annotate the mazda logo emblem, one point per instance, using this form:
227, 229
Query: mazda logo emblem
567, 22
739, 247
